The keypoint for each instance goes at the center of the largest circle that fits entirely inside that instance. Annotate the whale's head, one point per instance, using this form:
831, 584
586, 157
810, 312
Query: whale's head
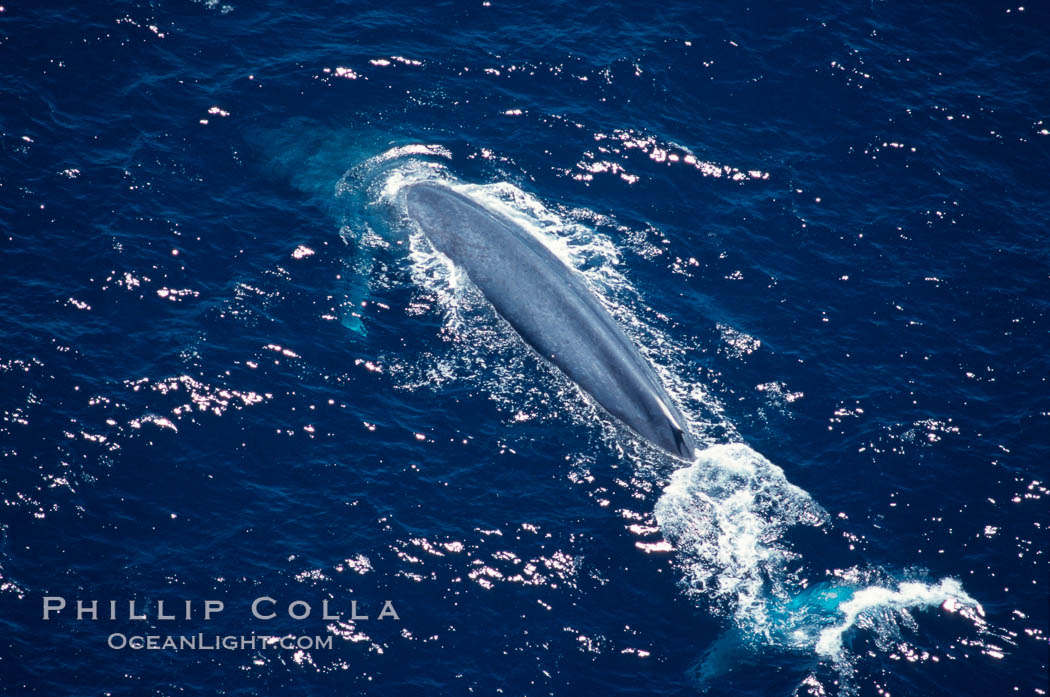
438, 211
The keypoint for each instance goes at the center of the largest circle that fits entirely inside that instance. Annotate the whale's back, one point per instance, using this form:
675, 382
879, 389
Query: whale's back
550, 306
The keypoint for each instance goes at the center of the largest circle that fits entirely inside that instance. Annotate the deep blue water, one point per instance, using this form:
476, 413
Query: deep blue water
229, 368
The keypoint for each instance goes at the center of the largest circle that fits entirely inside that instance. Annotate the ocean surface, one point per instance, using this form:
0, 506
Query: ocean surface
231, 368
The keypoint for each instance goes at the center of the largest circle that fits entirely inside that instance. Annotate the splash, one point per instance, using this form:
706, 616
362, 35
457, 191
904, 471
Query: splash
874, 600
728, 517
725, 515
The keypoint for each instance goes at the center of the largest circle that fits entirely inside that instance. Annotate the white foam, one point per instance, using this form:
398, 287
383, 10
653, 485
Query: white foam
725, 516
378, 180
947, 594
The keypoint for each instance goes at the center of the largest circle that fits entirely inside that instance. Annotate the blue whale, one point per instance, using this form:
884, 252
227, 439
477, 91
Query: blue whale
550, 306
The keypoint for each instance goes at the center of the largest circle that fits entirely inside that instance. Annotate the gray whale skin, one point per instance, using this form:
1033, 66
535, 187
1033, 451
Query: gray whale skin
549, 305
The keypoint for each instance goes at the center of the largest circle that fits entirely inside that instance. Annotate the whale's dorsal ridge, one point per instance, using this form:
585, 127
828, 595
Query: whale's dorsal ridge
551, 307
